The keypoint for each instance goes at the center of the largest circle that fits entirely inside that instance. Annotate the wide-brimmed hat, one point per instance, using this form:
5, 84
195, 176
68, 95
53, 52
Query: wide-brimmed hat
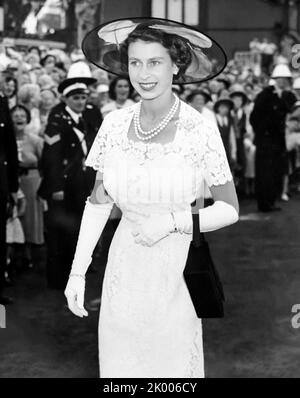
223, 100
225, 80
78, 78
202, 91
102, 47
238, 90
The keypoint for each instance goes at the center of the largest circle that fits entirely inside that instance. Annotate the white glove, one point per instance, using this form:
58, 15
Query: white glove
216, 216
150, 229
93, 221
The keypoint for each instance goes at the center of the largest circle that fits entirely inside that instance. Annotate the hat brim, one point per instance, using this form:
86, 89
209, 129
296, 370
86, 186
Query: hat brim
101, 47
224, 101
204, 94
67, 82
239, 94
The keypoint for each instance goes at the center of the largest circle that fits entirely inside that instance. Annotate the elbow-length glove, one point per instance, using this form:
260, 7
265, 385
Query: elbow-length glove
93, 221
218, 215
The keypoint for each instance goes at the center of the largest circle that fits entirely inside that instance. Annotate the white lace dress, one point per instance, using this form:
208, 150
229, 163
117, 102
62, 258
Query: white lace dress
147, 325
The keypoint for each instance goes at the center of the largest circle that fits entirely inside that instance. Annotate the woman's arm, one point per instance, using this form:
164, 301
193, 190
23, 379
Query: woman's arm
99, 194
96, 213
224, 211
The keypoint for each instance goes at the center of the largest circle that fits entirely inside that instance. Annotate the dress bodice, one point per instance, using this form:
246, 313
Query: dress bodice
154, 176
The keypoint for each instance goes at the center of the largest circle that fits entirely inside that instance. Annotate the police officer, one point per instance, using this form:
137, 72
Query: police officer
268, 122
8, 183
66, 182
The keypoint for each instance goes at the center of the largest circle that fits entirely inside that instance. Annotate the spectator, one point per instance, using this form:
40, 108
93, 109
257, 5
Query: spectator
223, 108
30, 96
120, 92
10, 89
268, 120
48, 101
30, 150
198, 100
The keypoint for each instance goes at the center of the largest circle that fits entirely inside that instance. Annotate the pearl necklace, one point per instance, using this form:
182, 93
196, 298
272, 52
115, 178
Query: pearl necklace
147, 135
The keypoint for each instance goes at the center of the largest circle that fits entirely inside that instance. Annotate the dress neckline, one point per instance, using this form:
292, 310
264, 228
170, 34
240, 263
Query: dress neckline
134, 143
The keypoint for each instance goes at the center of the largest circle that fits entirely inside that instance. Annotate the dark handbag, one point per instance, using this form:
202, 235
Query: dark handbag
202, 278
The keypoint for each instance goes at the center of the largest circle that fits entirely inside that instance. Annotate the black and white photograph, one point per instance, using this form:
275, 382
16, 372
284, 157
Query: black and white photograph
149, 191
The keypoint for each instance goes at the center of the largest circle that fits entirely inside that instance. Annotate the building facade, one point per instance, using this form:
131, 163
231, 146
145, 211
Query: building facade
233, 23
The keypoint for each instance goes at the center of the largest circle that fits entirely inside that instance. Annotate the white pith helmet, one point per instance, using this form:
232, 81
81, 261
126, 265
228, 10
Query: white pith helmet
281, 70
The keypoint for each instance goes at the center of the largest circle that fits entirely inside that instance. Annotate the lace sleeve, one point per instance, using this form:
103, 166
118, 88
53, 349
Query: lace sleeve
214, 159
95, 158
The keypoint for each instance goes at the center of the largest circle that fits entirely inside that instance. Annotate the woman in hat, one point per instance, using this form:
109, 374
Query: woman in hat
151, 159
120, 92
30, 148
240, 122
198, 100
223, 108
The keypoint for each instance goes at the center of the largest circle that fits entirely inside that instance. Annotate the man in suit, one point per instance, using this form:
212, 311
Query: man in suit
66, 182
8, 183
239, 117
268, 121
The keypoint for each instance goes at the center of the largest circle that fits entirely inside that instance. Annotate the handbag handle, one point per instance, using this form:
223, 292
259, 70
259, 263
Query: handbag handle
198, 237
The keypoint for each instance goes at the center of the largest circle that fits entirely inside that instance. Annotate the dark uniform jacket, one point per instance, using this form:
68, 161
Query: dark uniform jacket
8, 151
62, 163
268, 117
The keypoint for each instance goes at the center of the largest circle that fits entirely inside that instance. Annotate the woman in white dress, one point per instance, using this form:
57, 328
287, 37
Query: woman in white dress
151, 159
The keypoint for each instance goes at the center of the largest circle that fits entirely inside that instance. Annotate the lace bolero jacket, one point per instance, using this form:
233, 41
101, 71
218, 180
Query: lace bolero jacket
197, 140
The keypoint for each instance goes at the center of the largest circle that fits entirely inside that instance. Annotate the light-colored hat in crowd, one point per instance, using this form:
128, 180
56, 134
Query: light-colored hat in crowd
296, 84
102, 88
78, 79
281, 70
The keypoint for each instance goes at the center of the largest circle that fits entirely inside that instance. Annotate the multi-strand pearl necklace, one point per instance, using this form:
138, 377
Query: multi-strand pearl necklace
147, 135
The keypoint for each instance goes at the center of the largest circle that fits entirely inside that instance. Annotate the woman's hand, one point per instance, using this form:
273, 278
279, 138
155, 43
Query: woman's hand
148, 230
74, 293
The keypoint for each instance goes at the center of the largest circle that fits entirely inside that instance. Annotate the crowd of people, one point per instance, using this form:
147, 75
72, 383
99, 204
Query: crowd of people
52, 105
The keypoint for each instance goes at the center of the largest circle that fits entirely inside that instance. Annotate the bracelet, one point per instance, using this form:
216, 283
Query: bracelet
174, 223
78, 275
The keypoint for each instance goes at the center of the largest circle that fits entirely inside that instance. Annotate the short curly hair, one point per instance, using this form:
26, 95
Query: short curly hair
178, 47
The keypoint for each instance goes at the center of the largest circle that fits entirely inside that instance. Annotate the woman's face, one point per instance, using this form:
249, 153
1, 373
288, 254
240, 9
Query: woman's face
223, 110
9, 88
122, 90
35, 99
49, 64
150, 69
237, 101
47, 100
19, 119
198, 102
